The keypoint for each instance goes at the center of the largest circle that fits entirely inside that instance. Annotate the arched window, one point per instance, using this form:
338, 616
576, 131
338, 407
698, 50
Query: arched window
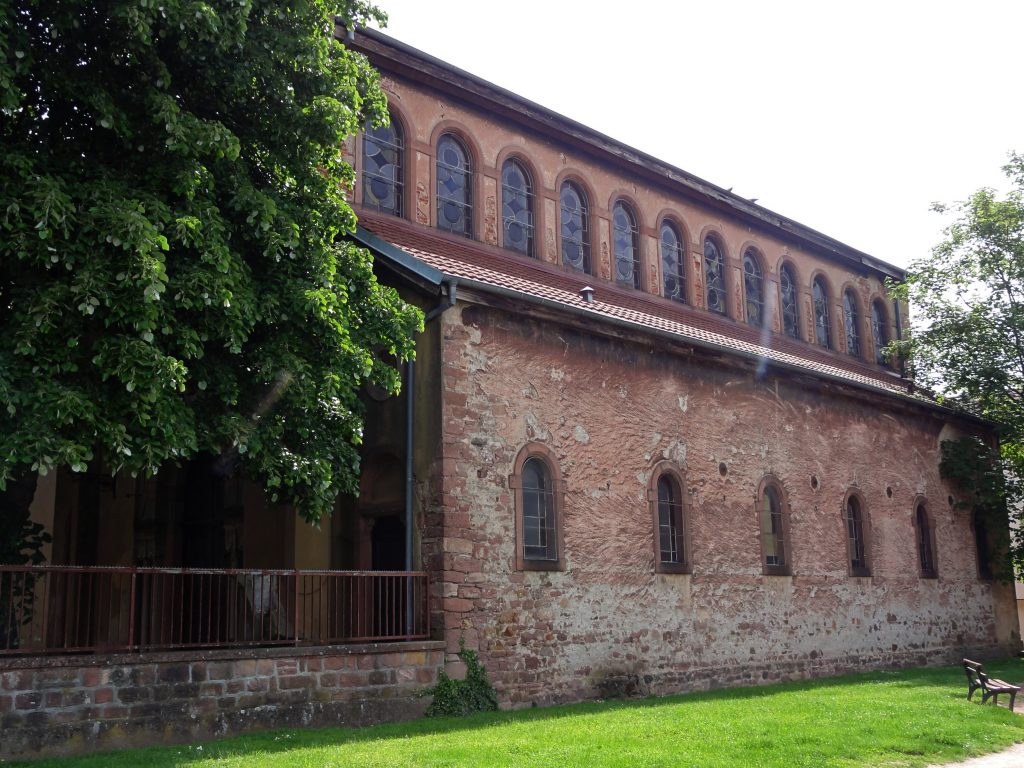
774, 536
822, 327
878, 331
673, 266
925, 543
753, 288
538, 500
790, 306
856, 537
454, 187
714, 276
516, 208
669, 521
383, 163
982, 545
851, 319
626, 245
575, 227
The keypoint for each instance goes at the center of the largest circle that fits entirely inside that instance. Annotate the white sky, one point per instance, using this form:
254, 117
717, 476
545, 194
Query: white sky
850, 117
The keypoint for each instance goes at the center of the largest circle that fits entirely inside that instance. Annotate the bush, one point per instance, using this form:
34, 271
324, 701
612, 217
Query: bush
461, 697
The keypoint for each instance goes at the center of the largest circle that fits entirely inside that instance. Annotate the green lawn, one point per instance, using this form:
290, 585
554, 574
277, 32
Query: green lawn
907, 718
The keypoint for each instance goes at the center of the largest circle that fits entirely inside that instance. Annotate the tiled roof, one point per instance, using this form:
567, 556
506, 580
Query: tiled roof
487, 266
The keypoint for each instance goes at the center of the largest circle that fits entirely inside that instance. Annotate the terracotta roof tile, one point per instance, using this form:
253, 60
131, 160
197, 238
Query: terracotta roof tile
470, 260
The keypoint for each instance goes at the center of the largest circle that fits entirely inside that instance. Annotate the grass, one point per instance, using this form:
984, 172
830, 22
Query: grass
893, 719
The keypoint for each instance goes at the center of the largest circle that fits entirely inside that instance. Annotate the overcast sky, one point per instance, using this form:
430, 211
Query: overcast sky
851, 118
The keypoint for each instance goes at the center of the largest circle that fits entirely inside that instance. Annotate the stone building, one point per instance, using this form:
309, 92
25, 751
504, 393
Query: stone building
649, 444
665, 450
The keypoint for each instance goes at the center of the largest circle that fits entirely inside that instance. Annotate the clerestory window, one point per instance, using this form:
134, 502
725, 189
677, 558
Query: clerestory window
851, 320
517, 208
822, 321
454, 187
575, 227
753, 289
383, 162
626, 245
673, 266
714, 276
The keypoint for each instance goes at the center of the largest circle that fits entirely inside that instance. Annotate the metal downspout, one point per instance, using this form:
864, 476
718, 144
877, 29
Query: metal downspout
410, 393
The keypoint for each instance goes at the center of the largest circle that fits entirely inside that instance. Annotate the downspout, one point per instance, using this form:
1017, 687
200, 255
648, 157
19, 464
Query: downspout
410, 393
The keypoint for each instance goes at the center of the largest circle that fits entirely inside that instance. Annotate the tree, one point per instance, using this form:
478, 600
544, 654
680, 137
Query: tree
174, 278
967, 336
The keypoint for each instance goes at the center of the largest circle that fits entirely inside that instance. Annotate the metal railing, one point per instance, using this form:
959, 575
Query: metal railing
69, 609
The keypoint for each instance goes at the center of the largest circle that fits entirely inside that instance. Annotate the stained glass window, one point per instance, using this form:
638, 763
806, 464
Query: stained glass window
539, 534
670, 521
790, 307
626, 245
673, 267
575, 235
851, 318
856, 544
516, 208
878, 331
382, 168
753, 288
714, 276
822, 327
454, 187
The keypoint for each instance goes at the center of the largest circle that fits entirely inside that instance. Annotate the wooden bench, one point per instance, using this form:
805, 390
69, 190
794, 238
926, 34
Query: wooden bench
990, 687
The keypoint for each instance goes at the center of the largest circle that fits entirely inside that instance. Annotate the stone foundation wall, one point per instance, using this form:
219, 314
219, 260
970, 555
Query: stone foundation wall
64, 705
610, 412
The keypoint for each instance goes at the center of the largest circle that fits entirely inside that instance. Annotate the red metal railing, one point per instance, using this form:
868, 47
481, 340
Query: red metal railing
65, 609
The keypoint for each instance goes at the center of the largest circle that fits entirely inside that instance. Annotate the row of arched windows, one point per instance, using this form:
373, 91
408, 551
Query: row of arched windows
383, 190
539, 512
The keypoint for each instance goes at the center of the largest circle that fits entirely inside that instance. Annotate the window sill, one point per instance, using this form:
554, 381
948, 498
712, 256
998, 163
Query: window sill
672, 568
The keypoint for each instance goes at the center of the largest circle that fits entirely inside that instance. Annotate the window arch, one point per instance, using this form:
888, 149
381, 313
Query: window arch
575, 227
454, 187
669, 510
851, 319
383, 167
753, 288
856, 536
714, 276
673, 263
517, 208
773, 518
925, 536
879, 330
822, 326
625, 244
790, 304
538, 492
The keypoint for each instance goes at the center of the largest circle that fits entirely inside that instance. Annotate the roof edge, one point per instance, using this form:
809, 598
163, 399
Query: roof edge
402, 262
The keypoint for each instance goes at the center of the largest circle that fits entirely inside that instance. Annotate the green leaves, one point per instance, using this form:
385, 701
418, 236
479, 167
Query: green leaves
967, 339
171, 274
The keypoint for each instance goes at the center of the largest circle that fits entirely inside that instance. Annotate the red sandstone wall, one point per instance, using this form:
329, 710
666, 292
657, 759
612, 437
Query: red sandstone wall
608, 624
69, 705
